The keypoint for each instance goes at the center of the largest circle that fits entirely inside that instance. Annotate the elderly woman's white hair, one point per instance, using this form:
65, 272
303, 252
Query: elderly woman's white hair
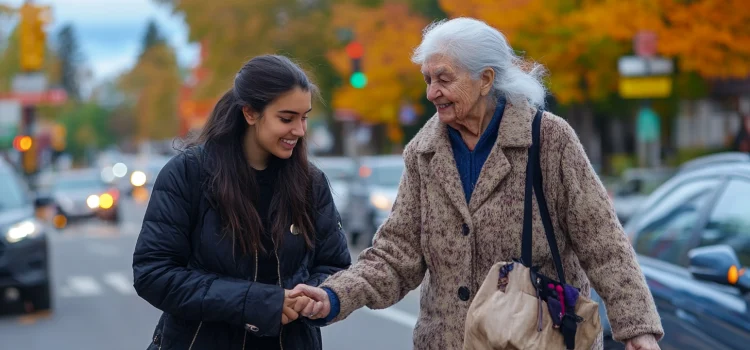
475, 45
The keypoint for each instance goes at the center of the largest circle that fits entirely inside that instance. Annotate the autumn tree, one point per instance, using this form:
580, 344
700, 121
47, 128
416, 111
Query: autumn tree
151, 88
388, 34
236, 30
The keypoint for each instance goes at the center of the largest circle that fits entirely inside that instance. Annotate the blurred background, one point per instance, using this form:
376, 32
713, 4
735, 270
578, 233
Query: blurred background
95, 93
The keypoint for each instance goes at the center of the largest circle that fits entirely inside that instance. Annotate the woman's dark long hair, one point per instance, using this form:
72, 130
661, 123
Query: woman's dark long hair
233, 187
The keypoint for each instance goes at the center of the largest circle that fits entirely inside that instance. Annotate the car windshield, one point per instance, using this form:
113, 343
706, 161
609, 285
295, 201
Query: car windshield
80, 182
13, 193
385, 175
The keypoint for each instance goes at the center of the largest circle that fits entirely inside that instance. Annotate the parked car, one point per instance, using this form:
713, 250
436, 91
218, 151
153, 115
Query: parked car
81, 193
692, 237
142, 178
372, 195
340, 171
634, 187
24, 271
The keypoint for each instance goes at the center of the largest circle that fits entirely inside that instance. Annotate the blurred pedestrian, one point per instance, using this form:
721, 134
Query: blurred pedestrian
460, 204
238, 219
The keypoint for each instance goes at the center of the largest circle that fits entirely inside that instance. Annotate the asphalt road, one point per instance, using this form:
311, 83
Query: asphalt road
95, 306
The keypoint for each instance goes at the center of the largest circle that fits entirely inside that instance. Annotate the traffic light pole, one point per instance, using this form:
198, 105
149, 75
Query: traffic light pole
29, 157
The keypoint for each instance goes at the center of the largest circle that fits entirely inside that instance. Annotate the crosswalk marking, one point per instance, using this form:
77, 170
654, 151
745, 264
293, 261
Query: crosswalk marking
90, 286
84, 286
119, 282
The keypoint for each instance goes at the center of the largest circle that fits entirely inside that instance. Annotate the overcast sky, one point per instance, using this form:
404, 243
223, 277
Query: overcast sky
110, 31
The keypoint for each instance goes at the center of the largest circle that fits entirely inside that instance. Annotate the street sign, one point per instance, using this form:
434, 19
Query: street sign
645, 87
407, 115
634, 66
10, 117
29, 82
47, 97
644, 43
647, 126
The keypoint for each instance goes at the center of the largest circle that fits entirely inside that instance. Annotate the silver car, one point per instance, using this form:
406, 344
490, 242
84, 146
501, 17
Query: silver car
372, 195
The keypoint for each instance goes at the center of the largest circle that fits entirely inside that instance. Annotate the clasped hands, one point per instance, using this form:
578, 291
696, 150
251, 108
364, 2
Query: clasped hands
305, 301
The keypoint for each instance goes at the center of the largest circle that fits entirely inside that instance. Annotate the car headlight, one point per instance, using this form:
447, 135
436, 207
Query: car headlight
381, 202
25, 229
93, 201
138, 178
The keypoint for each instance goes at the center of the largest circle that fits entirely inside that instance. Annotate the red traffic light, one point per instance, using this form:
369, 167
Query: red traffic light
355, 50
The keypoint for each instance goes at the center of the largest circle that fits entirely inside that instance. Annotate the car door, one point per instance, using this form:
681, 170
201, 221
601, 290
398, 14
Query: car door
722, 311
663, 233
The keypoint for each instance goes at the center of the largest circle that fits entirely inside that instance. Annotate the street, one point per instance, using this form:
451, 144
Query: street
96, 307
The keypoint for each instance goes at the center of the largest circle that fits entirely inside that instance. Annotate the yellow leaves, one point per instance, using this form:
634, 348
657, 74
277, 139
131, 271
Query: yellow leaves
582, 40
388, 34
153, 86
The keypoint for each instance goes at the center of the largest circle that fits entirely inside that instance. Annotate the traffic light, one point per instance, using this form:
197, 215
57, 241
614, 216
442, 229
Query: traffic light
355, 51
23, 143
33, 39
26, 145
58, 138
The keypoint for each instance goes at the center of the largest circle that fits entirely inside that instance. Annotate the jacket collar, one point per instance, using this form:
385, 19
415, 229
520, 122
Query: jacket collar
514, 132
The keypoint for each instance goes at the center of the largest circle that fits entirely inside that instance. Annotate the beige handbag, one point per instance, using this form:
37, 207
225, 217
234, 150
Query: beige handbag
519, 308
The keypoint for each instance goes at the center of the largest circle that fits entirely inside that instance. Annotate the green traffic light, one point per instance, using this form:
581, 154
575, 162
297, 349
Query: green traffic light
358, 80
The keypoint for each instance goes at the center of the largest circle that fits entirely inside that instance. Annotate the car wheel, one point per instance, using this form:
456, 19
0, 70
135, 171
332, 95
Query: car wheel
41, 297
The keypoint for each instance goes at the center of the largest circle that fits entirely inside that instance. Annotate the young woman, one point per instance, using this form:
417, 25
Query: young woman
238, 219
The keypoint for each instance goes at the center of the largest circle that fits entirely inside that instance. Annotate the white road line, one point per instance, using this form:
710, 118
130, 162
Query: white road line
82, 286
103, 249
392, 314
120, 283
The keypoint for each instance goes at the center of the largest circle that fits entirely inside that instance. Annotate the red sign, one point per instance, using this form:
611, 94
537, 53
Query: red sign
49, 97
644, 44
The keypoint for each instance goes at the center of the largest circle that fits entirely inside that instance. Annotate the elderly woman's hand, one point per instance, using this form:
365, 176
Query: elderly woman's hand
642, 342
321, 306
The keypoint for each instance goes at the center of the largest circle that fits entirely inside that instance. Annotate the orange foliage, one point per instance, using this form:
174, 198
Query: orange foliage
580, 41
388, 34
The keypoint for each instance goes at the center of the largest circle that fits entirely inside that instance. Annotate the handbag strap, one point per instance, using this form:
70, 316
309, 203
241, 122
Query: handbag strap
534, 184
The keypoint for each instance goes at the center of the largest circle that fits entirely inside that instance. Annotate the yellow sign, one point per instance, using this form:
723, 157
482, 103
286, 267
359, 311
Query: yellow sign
645, 87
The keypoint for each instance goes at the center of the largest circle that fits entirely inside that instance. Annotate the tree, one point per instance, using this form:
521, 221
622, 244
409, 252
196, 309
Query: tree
71, 60
152, 36
151, 89
388, 34
711, 38
86, 128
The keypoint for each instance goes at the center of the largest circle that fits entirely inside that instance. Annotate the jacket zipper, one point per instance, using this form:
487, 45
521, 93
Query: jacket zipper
278, 271
244, 339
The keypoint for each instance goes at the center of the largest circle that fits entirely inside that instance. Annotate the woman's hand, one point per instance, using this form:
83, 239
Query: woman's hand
642, 342
320, 306
293, 305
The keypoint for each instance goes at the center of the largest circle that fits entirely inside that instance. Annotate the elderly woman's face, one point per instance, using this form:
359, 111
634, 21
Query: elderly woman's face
452, 89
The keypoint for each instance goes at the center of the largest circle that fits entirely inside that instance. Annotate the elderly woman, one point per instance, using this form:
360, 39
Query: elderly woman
460, 203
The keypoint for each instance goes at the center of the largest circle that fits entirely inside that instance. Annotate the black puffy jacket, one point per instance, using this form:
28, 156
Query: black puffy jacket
184, 266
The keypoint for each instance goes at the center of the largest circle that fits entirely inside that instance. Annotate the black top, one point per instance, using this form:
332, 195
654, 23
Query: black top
267, 263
